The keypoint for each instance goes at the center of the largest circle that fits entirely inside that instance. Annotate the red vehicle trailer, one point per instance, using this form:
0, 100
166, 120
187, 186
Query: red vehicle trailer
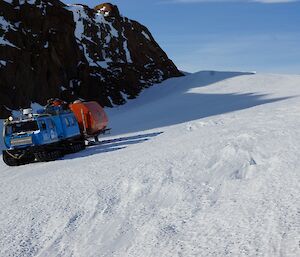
91, 118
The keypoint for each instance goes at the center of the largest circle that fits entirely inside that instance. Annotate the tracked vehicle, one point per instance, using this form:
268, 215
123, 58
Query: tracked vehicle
52, 132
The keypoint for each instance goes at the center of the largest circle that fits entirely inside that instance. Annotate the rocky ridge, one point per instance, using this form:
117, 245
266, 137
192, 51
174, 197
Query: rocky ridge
49, 49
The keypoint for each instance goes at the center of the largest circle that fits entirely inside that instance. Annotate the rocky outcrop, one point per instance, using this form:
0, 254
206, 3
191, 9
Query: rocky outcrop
48, 49
108, 10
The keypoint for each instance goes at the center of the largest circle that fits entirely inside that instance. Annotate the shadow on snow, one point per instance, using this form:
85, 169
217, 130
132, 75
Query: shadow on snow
175, 102
111, 145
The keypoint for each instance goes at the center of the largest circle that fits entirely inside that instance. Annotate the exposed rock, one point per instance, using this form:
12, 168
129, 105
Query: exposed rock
108, 10
48, 49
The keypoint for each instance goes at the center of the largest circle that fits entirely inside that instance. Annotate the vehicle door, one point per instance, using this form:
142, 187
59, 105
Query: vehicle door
52, 130
44, 130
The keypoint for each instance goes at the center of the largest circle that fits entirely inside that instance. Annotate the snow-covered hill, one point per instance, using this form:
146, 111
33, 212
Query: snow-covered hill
202, 165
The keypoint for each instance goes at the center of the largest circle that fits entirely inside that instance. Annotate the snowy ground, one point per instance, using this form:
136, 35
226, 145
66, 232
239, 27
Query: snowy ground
204, 165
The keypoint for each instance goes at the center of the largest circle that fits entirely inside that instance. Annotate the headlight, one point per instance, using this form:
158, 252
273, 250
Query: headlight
21, 141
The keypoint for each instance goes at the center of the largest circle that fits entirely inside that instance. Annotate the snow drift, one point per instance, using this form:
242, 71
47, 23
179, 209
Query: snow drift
202, 165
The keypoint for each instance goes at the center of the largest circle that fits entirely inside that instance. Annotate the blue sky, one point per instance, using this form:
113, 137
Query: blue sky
240, 35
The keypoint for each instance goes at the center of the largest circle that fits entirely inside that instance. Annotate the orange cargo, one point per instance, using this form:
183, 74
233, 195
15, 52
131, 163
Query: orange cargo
91, 117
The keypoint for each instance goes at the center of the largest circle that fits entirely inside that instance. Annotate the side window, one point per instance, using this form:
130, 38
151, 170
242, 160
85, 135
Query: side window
8, 130
67, 122
51, 124
43, 125
71, 121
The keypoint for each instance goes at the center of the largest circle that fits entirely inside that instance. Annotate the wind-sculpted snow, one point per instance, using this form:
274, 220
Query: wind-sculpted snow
210, 168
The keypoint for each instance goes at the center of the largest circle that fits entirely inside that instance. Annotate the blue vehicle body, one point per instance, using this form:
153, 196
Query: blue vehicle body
49, 129
45, 136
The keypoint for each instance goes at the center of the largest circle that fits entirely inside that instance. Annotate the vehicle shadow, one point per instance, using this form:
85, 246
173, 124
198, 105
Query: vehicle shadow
112, 145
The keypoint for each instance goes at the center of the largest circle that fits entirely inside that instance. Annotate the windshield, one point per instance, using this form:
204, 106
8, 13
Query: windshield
16, 128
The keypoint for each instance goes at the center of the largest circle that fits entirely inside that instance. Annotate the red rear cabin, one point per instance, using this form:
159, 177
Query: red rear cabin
91, 117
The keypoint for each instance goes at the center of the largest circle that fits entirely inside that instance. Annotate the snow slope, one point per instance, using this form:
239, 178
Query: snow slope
202, 165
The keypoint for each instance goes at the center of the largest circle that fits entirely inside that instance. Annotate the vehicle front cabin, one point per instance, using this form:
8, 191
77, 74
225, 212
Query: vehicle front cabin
40, 136
40, 130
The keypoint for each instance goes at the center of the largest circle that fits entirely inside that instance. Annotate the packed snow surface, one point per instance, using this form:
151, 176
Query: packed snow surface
202, 165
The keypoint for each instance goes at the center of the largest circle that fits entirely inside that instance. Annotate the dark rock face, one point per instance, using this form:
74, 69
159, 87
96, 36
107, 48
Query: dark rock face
48, 49
108, 10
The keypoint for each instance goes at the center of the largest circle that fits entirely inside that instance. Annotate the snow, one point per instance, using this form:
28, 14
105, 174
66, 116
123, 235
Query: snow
128, 55
104, 64
5, 26
99, 19
2, 63
104, 26
80, 15
124, 96
125, 47
201, 165
62, 88
21, 1
3, 41
146, 35
104, 11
